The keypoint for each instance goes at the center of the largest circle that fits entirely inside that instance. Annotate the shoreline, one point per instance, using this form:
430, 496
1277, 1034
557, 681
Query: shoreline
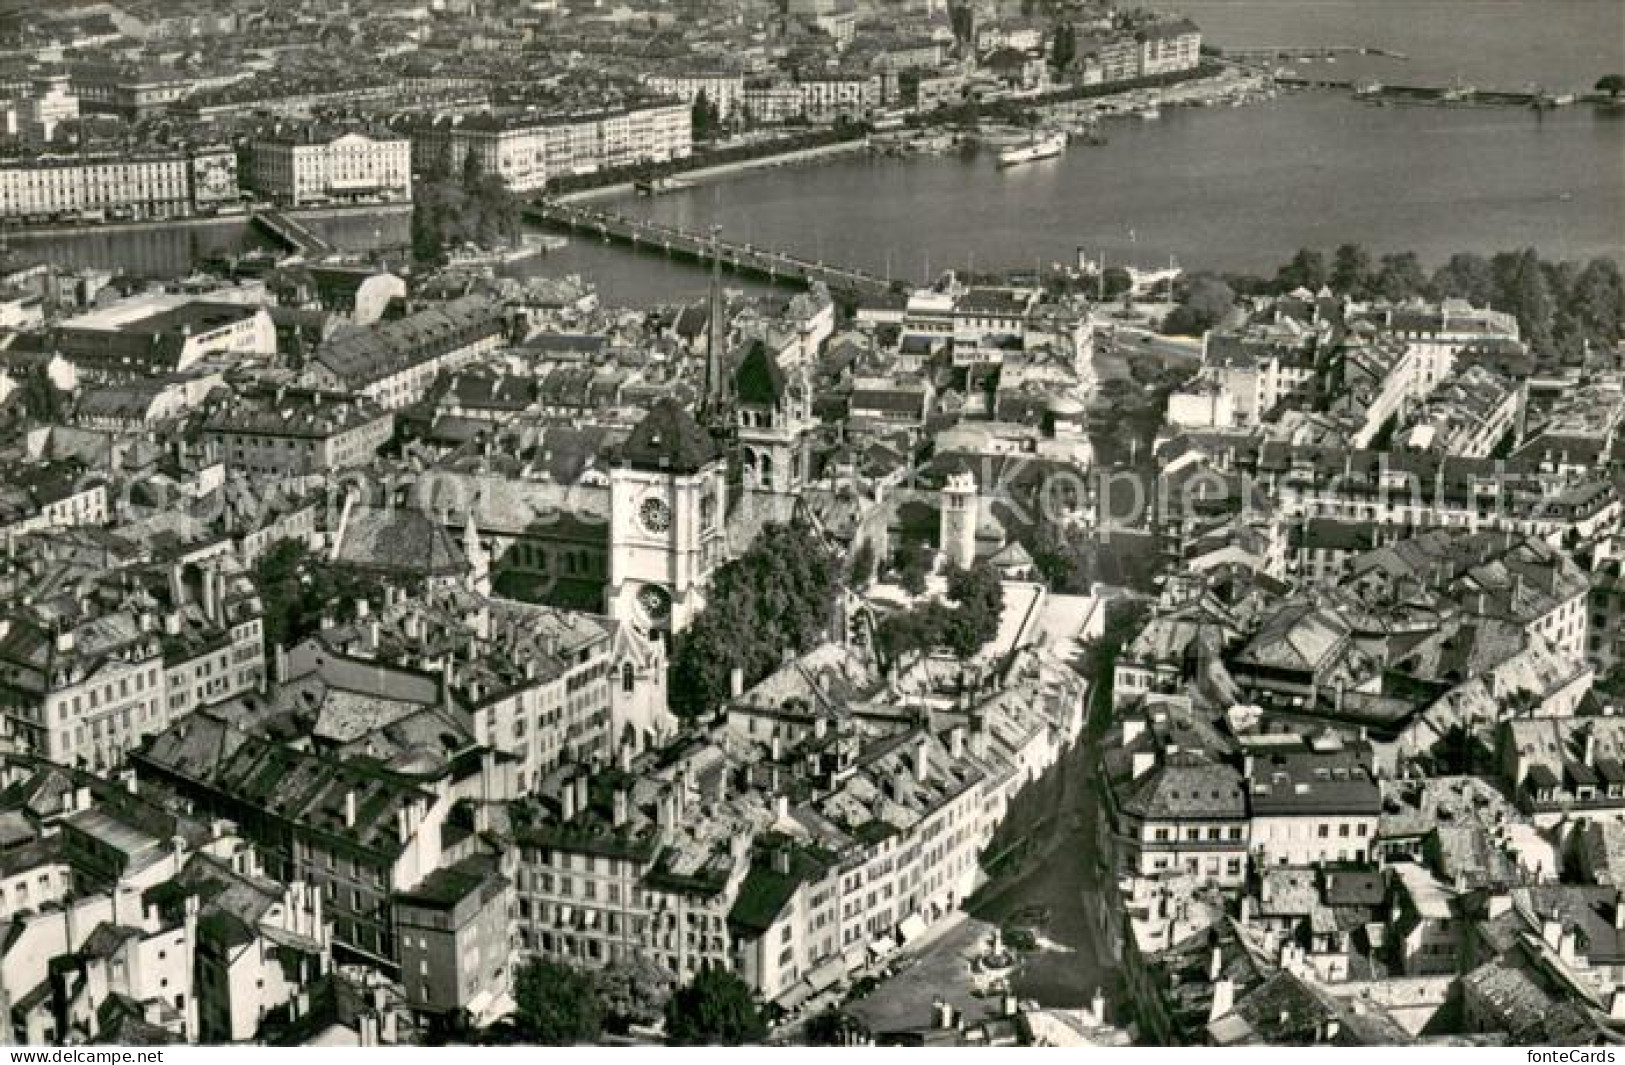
794, 157
37, 233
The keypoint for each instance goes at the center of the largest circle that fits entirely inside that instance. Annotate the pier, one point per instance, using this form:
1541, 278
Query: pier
768, 263
293, 234
1458, 95
1286, 52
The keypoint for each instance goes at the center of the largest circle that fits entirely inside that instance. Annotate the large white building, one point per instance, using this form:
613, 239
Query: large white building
166, 185
527, 151
305, 168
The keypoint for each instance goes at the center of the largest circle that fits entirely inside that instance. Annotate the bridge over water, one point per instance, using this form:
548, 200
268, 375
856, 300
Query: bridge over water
294, 234
769, 263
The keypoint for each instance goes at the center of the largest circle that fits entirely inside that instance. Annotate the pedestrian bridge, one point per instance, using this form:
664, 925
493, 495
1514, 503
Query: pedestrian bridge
768, 263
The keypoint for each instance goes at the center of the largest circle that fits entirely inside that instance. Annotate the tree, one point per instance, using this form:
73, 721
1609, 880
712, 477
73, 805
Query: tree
706, 115
1207, 300
1351, 271
1466, 276
473, 171
863, 563
1065, 48
1612, 84
1306, 270
558, 1005
835, 1028
633, 990
41, 399
778, 595
715, 1009
979, 598
1596, 301
912, 568
1400, 277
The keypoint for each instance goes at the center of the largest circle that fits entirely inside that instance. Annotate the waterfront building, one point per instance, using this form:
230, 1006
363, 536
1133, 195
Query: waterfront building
1168, 47
722, 89
308, 166
141, 185
531, 148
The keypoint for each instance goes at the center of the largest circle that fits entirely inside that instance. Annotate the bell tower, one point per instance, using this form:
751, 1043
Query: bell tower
773, 415
668, 502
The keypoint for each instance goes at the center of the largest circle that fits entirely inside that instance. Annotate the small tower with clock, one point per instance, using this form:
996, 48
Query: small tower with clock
668, 503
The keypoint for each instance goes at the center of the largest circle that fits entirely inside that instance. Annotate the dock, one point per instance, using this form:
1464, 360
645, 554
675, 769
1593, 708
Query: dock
767, 263
1456, 95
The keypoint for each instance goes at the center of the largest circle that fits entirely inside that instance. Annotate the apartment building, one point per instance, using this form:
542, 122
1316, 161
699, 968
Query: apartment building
722, 89
1310, 806
291, 431
129, 186
394, 363
359, 834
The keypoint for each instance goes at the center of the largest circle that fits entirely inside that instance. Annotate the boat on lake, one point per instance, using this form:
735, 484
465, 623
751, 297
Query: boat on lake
661, 185
1046, 146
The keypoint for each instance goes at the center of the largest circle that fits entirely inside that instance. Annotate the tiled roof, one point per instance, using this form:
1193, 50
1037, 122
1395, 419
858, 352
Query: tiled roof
669, 439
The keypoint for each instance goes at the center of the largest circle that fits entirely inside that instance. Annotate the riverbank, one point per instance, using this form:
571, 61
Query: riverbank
795, 157
25, 234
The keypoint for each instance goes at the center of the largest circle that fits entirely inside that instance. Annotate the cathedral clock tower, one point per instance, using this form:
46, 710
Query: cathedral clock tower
668, 502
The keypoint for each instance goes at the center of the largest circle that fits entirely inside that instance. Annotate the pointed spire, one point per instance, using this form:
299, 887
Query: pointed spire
715, 401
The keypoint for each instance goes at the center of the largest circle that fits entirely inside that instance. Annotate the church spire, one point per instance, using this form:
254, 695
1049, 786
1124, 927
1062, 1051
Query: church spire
715, 405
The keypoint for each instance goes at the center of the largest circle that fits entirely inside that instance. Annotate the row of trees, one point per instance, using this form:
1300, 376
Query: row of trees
777, 596
561, 1006
963, 626
472, 207
1563, 308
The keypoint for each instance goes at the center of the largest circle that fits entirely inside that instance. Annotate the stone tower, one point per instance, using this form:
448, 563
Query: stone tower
960, 511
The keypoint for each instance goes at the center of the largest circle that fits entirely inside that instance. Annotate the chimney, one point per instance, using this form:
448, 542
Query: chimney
569, 798
279, 664
621, 803
781, 806
1590, 756
1224, 999
349, 808
581, 793
1619, 910
922, 759
1215, 964
1566, 945
736, 682
956, 742
1246, 915
820, 727
781, 861
1551, 933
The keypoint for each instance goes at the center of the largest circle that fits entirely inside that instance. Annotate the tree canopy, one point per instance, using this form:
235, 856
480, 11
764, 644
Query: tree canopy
476, 207
776, 596
963, 626
1207, 299
715, 1009
297, 588
558, 1005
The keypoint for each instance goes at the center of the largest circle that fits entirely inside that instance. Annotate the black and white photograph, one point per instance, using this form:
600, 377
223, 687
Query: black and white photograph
850, 524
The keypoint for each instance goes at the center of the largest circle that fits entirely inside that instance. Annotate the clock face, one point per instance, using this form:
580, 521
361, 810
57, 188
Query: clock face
655, 515
654, 602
